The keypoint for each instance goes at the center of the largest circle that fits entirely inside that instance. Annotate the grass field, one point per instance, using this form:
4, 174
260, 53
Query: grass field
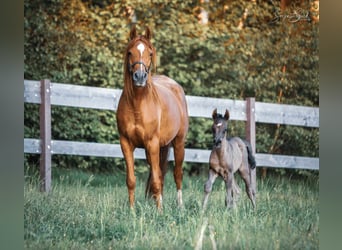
86, 211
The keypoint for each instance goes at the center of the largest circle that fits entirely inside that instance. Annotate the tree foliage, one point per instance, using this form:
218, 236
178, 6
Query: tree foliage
226, 49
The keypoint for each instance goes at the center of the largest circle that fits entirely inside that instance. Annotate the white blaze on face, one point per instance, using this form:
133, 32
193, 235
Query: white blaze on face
219, 124
141, 48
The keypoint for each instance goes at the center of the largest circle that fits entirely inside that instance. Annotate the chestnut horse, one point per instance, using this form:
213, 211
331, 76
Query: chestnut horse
152, 114
228, 156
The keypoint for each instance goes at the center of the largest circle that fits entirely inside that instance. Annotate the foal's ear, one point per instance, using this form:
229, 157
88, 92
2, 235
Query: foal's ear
226, 115
133, 33
214, 115
148, 33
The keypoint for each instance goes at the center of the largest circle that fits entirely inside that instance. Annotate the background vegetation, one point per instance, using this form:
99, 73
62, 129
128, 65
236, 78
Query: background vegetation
226, 49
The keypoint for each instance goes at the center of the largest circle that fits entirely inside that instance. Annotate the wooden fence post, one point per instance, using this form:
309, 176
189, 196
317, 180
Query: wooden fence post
250, 133
45, 135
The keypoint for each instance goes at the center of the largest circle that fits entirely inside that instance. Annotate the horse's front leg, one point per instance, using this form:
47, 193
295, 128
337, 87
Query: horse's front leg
152, 153
229, 190
127, 150
208, 186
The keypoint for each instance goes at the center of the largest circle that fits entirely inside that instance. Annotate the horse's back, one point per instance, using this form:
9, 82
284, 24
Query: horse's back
237, 145
236, 140
164, 81
237, 153
165, 86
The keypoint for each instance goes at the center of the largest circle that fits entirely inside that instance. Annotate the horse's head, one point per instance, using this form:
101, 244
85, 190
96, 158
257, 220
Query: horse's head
139, 57
219, 127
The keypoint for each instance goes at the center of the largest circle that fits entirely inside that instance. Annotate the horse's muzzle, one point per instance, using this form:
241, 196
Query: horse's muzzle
140, 78
217, 142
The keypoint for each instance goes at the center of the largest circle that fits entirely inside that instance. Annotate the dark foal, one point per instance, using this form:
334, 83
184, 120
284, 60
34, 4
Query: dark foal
228, 156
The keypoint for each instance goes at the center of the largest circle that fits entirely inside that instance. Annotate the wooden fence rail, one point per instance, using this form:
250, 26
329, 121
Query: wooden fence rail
108, 99
47, 94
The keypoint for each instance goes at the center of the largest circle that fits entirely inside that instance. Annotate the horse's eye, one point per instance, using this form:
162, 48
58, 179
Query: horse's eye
129, 53
151, 54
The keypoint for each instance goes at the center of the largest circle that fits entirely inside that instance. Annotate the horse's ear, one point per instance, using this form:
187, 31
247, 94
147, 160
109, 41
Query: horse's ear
214, 115
226, 115
133, 33
148, 33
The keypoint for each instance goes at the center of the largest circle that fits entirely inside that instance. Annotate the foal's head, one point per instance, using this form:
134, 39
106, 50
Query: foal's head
219, 127
139, 57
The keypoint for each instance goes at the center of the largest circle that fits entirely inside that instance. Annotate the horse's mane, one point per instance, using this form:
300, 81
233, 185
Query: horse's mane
128, 84
219, 116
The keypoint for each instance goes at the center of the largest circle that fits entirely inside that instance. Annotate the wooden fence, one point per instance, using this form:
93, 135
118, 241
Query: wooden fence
46, 94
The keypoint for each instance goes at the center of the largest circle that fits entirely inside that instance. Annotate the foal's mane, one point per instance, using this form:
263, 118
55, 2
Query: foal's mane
128, 84
219, 117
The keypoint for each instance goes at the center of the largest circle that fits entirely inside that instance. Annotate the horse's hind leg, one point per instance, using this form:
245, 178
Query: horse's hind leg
208, 186
236, 190
179, 152
229, 190
163, 163
148, 183
247, 179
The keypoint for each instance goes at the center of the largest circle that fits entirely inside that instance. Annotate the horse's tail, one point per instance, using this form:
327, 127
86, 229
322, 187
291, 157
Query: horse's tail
251, 158
163, 163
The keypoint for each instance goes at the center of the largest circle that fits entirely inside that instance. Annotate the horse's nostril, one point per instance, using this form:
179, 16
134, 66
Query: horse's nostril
135, 76
139, 76
217, 141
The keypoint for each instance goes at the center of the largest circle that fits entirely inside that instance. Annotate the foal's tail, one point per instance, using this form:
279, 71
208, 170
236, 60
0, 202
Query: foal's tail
251, 158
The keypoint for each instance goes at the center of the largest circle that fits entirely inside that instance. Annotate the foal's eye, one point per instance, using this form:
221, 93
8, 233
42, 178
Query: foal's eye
129, 53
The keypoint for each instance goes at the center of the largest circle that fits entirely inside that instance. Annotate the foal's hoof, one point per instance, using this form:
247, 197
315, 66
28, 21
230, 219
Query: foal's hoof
229, 205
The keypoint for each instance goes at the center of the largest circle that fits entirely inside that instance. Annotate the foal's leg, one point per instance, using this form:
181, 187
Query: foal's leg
229, 190
127, 150
245, 174
208, 186
236, 190
179, 152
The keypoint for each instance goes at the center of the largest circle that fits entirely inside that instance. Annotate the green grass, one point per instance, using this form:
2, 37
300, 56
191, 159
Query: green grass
86, 211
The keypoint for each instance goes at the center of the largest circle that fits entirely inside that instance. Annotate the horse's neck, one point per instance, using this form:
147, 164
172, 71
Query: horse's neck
142, 98
224, 145
221, 151
141, 95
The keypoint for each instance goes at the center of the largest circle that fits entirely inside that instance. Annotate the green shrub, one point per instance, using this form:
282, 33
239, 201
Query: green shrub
82, 42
